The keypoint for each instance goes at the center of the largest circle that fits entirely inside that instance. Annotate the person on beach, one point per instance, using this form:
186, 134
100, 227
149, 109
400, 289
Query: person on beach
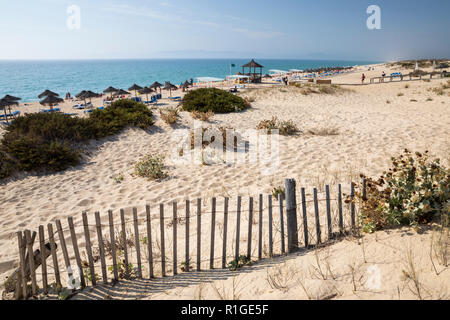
363, 78
383, 75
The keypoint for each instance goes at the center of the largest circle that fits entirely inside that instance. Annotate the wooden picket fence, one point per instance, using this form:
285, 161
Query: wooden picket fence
117, 247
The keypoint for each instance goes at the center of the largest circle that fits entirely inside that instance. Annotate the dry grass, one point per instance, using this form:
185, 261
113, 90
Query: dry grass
202, 116
285, 128
170, 116
400, 94
312, 88
280, 277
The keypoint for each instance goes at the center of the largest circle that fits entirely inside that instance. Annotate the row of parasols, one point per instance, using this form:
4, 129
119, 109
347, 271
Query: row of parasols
51, 98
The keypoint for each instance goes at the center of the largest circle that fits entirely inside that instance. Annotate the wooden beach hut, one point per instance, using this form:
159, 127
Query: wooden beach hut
252, 66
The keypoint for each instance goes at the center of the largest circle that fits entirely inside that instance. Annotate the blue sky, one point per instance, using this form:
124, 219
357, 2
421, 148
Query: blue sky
303, 29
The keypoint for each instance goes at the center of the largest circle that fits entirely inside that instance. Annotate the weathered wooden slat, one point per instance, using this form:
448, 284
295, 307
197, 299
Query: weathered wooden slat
260, 227
213, 233
29, 245
238, 227
51, 238
112, 239
316, 214
163, 246
352, 205
23, 277
101, 246
364, 189
199, 233
291, 211
330, 228
225, 231
269, 203
149, 242
62, 240
137, 242
187, 235
124, 242
76, 251
43, 260
174, 237
280, 203
89, 248
305, 218
341, 217
250, 227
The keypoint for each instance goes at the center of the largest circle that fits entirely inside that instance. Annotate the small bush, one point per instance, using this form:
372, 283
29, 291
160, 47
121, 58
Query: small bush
212, 99
285, 128
50, 141
279, 191
203, 116
239, 263
400, 94
151, 167
170, 116
412, 192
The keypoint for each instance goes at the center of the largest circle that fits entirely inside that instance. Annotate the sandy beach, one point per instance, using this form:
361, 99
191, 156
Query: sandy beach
372, 123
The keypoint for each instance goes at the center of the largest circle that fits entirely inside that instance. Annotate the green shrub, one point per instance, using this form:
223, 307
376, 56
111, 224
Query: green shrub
212, 99
48, 141
151, 167
285, 128
6, 165
411, 193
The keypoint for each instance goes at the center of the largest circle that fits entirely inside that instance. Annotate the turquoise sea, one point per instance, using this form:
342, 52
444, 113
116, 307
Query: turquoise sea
27, 79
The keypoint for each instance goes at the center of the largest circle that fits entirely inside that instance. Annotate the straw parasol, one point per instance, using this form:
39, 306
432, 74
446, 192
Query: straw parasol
122, 92
110, 90
146, 91
47, 93
7, 103
135, 87
51, 100
87, 94
170, 87
185, 85
11, 98
156, 85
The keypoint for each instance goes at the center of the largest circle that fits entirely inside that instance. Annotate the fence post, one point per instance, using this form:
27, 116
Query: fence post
260, 229
124, 242
175, 238
291, 212
163, 249
213, 233
31, 261
330, 228
113, 245
149, 241
238, 227
76, 251
352, 205
250, 226
280, 202
89, 248
64, 248
43, 260
54, 257
199, 233
188, 213
316, 213
341, 218
305, 218
225, 230
270, 226
101, 246
22, 277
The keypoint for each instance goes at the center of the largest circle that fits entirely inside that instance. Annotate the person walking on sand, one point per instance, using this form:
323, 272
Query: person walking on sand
363, 78
383, 75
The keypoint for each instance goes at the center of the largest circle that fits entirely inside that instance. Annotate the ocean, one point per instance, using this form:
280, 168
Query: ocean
27, 79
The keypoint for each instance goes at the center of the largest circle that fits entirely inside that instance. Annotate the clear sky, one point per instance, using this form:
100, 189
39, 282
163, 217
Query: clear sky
303, 29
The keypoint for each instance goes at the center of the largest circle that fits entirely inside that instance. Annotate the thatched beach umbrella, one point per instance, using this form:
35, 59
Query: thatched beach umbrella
146, 91
156, 85
11, 98
87, 94
110, 90
170, 87
51, 100
122, 92
47, 93
185, 85
4, 103
135, 87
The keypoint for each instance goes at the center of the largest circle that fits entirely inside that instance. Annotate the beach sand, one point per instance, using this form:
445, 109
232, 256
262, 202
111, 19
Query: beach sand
370, 131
